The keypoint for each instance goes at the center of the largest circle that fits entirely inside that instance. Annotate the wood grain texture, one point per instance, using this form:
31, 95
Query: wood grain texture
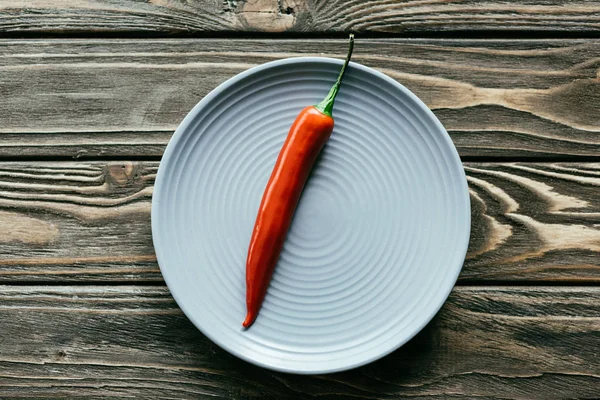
387, 16
534, 221
76, 221
525, 343
91, 222
99, 98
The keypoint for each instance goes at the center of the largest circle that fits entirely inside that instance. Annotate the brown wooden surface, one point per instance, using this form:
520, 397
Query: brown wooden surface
83, 309
104, 98
299, 16
530, 222
106, 341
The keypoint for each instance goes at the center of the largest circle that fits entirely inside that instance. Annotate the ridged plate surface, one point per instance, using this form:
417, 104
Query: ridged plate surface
377, 241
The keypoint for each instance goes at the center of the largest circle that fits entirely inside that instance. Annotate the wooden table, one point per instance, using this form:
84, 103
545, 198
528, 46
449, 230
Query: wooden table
91, 91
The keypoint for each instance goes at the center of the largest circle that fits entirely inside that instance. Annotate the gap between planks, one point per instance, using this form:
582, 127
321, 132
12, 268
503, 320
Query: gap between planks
466, 283
467, 35
152, 158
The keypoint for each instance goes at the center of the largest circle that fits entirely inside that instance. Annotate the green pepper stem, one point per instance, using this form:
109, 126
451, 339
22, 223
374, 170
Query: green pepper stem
326, 106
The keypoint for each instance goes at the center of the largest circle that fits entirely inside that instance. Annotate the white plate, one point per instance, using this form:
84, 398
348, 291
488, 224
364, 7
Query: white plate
378, 239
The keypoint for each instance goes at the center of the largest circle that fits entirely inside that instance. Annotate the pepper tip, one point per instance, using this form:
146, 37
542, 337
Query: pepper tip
248, 321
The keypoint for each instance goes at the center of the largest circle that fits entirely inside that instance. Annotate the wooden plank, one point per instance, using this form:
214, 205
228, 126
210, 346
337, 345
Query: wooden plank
497, 98
90, 221
525, 342
389, 16
77, 221
534, 222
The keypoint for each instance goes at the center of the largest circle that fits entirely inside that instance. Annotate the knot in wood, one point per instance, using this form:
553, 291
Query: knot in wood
120, 173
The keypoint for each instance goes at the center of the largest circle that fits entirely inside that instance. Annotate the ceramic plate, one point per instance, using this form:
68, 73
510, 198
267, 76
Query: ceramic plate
377, 241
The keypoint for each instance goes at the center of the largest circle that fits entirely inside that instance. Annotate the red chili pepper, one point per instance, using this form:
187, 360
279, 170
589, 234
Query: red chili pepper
304, 142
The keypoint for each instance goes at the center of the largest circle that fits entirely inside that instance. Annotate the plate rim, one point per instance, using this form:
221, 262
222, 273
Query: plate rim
184, 125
